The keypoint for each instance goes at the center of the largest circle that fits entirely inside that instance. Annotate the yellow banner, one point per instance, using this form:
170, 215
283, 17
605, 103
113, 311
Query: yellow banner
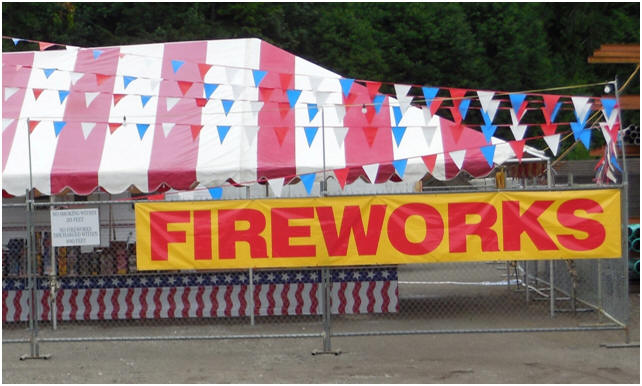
374, 230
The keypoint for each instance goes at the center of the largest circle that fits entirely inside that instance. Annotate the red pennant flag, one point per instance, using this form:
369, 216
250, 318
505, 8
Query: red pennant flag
265, 93
203, 68
373, 88
45, 45
281, 132
458, 95
518, 148
341, 175
196, 129
32, 125
549, 105
37, 92
113, 127
184, 86
156, 197
286, 79
457, 129
100, 78
284, 109
429, 161
549, 128
370, 133
370, 113
435, 104
350, 100
201, 102
117, 98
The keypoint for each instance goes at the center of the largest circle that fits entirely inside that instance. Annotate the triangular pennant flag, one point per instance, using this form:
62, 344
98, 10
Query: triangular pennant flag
558, 106
117, 98
322, 97
258, 76
200, 102
227, 105
222, 132
284, 109
237, 90
489, 153
346, 85
341, 175
312, 111
429, 161
184, 86
176, 65
605, 132
127, 80
167, 128
209, 88
265, 93
101, 78
373, 88
519, 131
37, 92
398, 133
370, 113
97, 53
463, 108
429, 133
378, 102
315, 82
458, 157
549, 128
308, 181
6, 122
203, 69
87, 128
48, 72
341, 112
458, 96
401, 90
44, 45
276, 185
113, 127
233, 75
582, 107
404, 103
585, 138
577, 128
553, 142
32, 125
517, 101
607, 105
286, 80
371, 171
250, 133
456, 130
400, 166
281, 132
550, 103
397, 113
58, 125
16, 41
518, 148
142, 129
484, 99
215, 193
310, 133
171, 102
487, 128
293, 97
153, 85
75, 77
370, 133
62, 95
196, 130
429, 94
144, 99
340, 135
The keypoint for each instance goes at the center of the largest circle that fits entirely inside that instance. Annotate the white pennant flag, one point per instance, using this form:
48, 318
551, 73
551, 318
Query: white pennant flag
610, 121
315, 82
6, 122
605, 132
582, 107
89, 97
429, 133
75, 76
340, 134
458, 157
167, 128
256, 106
8, 92
237, 91
233, 75
171, 102
427, 116
322, 97
87, 128
484, 98
402, 90
553, 142
153, 85
341, 112
371, 171
518, 131
277, 186
250, 133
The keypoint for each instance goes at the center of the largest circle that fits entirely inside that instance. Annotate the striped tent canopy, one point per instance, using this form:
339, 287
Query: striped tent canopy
211, 113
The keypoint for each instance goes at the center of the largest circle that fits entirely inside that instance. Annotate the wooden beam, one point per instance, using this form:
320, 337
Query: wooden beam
630, 102
613, 59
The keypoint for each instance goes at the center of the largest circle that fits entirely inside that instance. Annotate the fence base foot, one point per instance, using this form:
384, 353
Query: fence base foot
621, 345
333, 352
27, 356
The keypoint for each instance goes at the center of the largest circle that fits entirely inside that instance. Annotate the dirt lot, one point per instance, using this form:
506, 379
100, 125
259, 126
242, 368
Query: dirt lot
557, 357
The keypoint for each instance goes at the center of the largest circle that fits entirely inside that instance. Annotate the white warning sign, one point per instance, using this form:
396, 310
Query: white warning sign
72, 227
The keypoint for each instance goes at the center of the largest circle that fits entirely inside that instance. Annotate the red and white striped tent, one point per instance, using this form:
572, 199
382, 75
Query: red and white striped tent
210, 113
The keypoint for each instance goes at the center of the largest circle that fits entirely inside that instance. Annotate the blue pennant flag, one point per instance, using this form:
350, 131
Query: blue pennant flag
378, 101
577, 128
62, 94
258, 76
400, 166
16, 41
308, 181
486, 117
310, 133
293, 97
614, 162
463, 107
489, 154
430, 93
97, 53
489, 131
585, 137
216, 193
346, 85
608, 104
398, 133
227, 105
516, 101
397, 111
48, 72
555, 111
209, 89
58, 125
144, 99
142, 129
312, 111
222, 132
176, 64
127, 80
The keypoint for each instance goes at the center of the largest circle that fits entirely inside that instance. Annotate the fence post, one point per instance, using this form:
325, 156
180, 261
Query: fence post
551, 279
327, 312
